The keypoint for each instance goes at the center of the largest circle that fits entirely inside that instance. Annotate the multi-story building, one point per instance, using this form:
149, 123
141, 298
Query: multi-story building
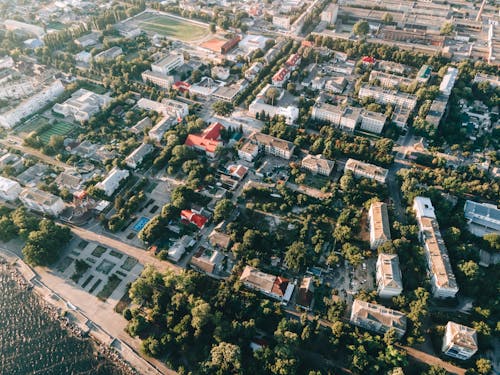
207, 141
109, 54
459, 341
281, 76
168, 63
444, 284
389, 80
437, 110
494, 81
330, 13
448, 81
385, 96
377, 318
9, 189
156, 133
82, 105
158, 79
272, 145
373, 122
276, 287
282, 21
137, 156
366, 170
317, 164
345, 118
380, 230
389, 279
255, 68
259, 105
112, 181
41, 201
248, 151
350, 118
484, 215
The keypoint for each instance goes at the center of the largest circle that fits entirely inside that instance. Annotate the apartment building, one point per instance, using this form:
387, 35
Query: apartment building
345, 118
82, 105
330, 13
377, 318
248, 151
158, 131
41, 201
137, 156
259, 105
317, 164
280, 77
276, 287
385, 96
9, 189
272, 145
389, 279
366, 170
448, 81
484, 215
282, 21
112, 181
459, 341
380, 230
168, 63
109, 54
372, 122
389, 80
444, 284
158, 79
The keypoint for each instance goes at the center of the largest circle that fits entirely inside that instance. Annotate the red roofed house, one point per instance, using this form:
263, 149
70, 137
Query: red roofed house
368, 60
194, 218
281, 77
307, 43
181, 86
293, 61
208, 140
239, 171
230, 44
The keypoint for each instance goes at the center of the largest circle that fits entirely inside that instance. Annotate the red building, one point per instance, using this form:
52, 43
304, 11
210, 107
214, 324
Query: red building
193, 218
208, 140
230, 44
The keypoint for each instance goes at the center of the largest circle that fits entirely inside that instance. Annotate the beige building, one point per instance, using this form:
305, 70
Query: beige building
366, 170
41, 201
276, 287
389, 280
272, 145
158, 79
377, 318
317, 164
380, 230
459, 341
386, 96
168, 63
372, 121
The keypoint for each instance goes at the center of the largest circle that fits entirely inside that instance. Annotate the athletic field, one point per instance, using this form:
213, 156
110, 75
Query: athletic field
59, 128
172, 27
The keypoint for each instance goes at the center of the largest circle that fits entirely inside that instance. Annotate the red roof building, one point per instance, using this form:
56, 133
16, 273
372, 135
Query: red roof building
208, 140
293, 61
194, 218
230, 44
280, 285
181, 86
307, 43
281, 77
368, 60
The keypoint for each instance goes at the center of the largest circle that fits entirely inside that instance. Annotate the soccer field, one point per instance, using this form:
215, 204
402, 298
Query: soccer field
171, 27
59, 128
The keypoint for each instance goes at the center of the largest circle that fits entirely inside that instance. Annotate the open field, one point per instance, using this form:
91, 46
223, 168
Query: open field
33, 124
59, 128
171, 27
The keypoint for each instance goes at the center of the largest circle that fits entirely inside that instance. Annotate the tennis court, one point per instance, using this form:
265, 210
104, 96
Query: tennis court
140, 224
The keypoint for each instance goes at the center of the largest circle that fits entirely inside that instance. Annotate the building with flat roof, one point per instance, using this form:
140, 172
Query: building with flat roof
372, 122
272, 145
158, 79
317, 164
366, 170
41, 201
259, 105
82, 105
109, 54
29, 28
377, 318
135, 158
112, 181
248, 151
386, 96
484, 215
168, 63
448, 81
346, 118
329, 14
424, 73
282, 21
389, 279
443, 281
276, 287
9, 189
389, 80
380, 230
493, 80
459, 341
177, 250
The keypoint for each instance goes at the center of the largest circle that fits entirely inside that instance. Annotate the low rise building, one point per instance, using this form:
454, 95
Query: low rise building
272, 145
459, 341
168, 63
378, 218
109, 54
485, 215
137, 156
87, 40
373, 122
41, 201
207, 141
305, 294
377, 318
208, 261
259, 105
493, 80
386, 96
177, 250
424, 74
317, 164
448, 81
82, 105
190, 216
280, 77
389, 279
112, 181
276, 287
158, 79
366, 170
9, 189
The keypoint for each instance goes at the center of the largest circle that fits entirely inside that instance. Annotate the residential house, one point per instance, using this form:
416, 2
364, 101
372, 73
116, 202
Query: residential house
208, 141
389, 279
9, 189
377, 318
378, 219
208, 261
194, 218
280, 77
459, 341
305, 293
41, 201
276, 287
177, 250
317, 164
112, 181
137, 156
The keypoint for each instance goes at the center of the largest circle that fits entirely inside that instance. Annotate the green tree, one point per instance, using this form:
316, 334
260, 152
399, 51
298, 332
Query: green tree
271, 94
361, 28
212, 27
223, 108
296, 256
223, 209
225, 359
447, 28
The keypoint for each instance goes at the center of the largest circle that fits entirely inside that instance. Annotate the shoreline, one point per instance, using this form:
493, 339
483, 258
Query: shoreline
63, 316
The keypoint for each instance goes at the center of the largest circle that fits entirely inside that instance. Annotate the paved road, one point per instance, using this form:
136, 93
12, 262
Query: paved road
141, 255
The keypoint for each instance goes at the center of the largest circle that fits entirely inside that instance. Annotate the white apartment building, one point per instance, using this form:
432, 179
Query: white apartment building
459, 341
109, 54
389, 80
290, 113
330, 14
34, 103
373, 122
444, 284
9, 189
378, 219
248, 151
345, 118
485, 215
448, 81
317, 164
112, 181
158, 79
156, 133
282, 21
377, 318
137, 156
366, 170
389, 279
82, 105
168, 63
41, 201
175, 108
385, 96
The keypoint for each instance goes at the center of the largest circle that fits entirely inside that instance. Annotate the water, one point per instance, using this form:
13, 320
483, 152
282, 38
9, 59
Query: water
32, 342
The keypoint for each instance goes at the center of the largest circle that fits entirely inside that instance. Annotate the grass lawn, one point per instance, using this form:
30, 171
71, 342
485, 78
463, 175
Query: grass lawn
109, 288
167, 26
59, 128
32, 125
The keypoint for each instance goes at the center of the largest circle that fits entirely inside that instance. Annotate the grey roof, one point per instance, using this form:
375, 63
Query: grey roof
483, 214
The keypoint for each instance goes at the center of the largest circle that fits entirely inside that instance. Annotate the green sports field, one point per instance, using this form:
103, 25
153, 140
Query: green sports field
59, 128
171, 27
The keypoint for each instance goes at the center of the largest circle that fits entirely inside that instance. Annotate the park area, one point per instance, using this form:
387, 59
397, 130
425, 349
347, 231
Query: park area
170, 27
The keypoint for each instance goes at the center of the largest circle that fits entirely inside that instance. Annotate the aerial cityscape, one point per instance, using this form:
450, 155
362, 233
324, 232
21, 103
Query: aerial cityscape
257, 187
